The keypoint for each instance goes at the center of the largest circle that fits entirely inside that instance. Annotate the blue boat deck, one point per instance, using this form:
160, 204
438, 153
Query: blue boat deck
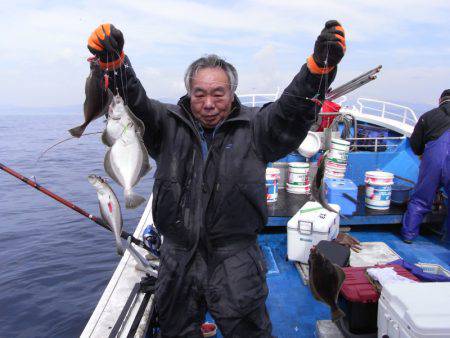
292, 308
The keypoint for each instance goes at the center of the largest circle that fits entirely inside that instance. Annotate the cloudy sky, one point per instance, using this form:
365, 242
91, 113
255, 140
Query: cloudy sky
43, 57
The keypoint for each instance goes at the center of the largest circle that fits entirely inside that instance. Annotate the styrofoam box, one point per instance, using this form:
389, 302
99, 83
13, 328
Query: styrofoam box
414, 310
373, 253
310, 225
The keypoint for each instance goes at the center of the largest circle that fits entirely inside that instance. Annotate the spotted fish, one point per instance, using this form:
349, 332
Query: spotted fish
325, 282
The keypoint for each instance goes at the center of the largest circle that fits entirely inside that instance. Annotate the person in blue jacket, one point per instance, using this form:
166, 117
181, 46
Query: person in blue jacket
431, 141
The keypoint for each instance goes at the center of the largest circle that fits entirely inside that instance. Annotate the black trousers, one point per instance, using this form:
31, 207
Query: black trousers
232, 287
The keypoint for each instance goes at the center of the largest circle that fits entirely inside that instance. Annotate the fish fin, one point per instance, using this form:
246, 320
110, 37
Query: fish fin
108, 168
314, 293
105, 139
140, 127
337, 314
145, 169
133, 200
146, 164
78, 131
341, 276
312, 287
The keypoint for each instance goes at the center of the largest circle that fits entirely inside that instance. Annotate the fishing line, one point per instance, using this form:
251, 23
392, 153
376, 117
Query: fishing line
124, 89
67, 139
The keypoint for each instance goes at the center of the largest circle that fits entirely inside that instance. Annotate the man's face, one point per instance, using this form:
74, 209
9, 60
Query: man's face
211, 97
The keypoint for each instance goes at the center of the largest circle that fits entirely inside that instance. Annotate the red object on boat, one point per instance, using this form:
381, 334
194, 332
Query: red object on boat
357, 288
209, 329
328, 107
359, 298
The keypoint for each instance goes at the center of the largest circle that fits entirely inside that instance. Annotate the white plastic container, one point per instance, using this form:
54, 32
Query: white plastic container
414, 310
298, 173
335, 166
338, 156
272, 177
339, 144
310, 145
435, 269
330, 173
310, 225
378, 189
298, 189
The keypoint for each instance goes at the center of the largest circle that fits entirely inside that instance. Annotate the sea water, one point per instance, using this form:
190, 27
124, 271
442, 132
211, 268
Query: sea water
54, 262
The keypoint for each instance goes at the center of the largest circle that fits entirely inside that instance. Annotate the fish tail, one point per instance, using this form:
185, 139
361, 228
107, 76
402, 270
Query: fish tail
120, 250
77, 131
337, 314
133, 200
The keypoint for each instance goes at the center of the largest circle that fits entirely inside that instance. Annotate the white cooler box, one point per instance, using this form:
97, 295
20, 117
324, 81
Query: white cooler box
414, 310
310, 225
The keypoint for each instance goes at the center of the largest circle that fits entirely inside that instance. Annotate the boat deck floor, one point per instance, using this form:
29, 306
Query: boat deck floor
292, 308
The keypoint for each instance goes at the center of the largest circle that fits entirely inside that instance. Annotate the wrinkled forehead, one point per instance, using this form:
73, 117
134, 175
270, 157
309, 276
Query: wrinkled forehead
210, 79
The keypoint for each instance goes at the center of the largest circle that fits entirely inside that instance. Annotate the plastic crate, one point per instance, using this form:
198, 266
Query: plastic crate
359, 298
434, 269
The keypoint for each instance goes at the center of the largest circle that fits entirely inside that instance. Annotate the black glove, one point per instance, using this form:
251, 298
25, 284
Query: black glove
330, 44
106, 42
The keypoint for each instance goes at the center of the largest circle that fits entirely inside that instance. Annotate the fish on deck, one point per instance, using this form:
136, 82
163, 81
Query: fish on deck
325, 282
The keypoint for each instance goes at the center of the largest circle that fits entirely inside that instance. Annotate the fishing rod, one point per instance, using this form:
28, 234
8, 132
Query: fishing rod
354, 83
335, 93
125, 235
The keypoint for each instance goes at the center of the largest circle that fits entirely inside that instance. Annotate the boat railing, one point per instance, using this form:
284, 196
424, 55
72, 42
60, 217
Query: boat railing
340, 100
257, 100
378, 143
387, 110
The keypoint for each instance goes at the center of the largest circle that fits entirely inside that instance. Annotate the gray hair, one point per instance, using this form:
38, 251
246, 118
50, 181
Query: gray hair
211, 61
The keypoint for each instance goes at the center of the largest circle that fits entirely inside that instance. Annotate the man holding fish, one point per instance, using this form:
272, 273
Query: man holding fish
209, 198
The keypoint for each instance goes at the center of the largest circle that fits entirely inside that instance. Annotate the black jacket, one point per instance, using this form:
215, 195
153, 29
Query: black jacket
430, 127
223, 198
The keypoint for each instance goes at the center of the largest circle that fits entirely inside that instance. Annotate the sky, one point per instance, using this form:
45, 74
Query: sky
43, 56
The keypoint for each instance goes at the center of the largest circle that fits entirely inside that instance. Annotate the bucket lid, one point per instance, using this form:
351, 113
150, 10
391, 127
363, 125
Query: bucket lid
379, 174
299, 165
298, 187
272, 171
340, 142
320, 219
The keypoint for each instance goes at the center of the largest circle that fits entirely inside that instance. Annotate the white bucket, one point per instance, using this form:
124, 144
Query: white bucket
333, 174
298, 173
339, 156
339, 144
378, 189
298, 189
272, 177
310, 145
341, 167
